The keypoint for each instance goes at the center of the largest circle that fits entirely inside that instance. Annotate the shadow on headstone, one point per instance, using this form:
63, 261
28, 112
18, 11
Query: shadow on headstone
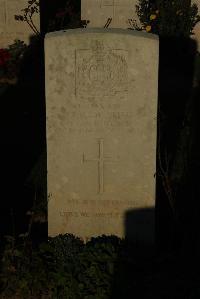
135, 261
189, 191
176, 77
59, 15
140, 228
166, 275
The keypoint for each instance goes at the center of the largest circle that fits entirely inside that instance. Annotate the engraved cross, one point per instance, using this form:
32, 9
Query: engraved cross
113, 4
101, 161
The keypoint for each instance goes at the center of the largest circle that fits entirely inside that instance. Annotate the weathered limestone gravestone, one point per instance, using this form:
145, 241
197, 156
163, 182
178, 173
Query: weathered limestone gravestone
99, 11
10, 29
196, 30
101, 103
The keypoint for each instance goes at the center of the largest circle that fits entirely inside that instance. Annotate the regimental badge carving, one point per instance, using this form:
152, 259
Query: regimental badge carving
101, 71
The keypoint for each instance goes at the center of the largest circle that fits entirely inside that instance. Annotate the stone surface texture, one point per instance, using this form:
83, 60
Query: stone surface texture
99, 11
10, 29
196, 30
121, 11
101, 104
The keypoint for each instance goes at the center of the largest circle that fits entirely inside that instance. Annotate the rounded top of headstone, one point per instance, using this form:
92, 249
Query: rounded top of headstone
103, 31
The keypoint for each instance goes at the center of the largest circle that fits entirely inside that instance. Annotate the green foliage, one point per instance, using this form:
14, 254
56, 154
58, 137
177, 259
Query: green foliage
175, 18
22, 271
97, 263
64, 267
10, 67
17, 49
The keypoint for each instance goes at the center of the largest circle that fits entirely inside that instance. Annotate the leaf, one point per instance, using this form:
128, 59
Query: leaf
17, 253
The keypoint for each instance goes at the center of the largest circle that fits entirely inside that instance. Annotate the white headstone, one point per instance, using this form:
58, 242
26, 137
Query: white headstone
101, 104
11, 29
99, 11
196, 30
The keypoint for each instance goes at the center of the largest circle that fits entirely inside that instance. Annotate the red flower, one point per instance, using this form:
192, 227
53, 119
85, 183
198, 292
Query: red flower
4, 57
